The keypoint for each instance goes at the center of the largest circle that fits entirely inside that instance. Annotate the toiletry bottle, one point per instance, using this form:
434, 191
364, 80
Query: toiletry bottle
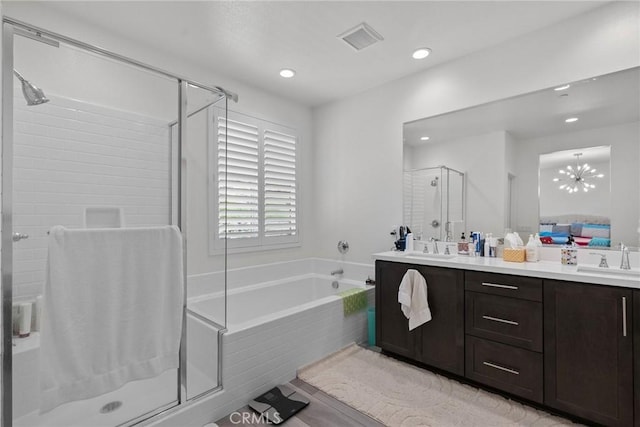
24, 328
487, 246
480, 245
409, 242
493, 247
463, 246
532, 250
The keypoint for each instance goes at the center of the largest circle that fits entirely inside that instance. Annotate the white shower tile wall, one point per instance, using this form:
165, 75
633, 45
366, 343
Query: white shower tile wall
69, 155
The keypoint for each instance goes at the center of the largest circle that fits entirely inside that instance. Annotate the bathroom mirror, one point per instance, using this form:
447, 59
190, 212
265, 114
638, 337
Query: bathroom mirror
498, 146
574, 189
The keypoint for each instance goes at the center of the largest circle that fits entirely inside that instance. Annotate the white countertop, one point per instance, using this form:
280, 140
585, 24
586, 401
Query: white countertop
541, 269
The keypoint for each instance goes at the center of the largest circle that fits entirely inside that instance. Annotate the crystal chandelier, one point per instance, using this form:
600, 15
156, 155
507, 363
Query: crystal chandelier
577, 178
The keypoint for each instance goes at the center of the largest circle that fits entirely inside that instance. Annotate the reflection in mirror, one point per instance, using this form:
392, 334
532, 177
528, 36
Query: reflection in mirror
575, 197
498, 146
434, 203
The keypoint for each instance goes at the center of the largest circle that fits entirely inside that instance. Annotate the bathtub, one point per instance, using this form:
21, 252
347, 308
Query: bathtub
261, 303
274, 328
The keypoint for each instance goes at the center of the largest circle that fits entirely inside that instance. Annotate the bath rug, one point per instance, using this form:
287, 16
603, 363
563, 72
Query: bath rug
353, 300
401, 395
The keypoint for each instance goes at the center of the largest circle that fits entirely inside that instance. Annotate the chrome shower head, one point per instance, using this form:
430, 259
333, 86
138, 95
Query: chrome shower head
32, 94
434, 182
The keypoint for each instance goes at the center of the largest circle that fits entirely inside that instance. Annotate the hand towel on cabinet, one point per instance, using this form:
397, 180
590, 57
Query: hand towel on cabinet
412, 296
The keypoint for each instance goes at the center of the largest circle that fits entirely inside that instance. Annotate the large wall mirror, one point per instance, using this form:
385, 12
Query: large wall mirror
511, 151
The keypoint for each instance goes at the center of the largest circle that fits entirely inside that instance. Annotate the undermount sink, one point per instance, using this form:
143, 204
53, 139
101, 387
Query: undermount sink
610, 270
430, 256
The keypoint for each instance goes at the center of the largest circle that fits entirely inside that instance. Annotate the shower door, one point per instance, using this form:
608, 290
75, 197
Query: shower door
95, 155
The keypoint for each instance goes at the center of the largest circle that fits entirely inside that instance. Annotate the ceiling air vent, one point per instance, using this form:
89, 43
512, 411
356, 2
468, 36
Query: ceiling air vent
361, 36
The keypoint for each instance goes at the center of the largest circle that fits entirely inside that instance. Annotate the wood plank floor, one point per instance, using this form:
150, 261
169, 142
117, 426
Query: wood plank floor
323, 411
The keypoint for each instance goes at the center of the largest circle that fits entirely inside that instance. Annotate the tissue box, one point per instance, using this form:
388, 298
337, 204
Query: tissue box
514, 255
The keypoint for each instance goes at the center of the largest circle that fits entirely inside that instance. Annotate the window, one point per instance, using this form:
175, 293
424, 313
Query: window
253, 173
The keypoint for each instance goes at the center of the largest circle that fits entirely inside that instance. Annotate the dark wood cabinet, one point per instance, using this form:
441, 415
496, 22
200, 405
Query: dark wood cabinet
392, 330
439, 342
505, 367
588, 351
636, 352
573, 347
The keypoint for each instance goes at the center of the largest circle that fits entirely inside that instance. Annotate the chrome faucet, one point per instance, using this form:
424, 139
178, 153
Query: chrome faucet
339, 271
603, 259
624, 264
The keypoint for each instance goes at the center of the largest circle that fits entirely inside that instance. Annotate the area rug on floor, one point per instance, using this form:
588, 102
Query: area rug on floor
398, 394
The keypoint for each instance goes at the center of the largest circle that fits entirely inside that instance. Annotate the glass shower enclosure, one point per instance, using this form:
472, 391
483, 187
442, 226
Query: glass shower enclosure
92, 140
433, 203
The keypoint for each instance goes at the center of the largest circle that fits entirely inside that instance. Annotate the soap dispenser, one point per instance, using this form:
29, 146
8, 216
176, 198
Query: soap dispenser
463, 246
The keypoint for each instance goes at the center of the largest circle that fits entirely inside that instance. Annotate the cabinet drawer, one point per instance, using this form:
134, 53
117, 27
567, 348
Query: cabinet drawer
504, 367
507, 320
528, 288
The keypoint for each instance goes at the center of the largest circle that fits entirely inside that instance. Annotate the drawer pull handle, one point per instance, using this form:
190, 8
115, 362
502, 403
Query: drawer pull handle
497, 319
495, 285
624, 316
502, 368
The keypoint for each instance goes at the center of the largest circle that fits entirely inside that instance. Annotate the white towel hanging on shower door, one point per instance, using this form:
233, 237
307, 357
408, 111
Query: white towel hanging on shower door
112, 310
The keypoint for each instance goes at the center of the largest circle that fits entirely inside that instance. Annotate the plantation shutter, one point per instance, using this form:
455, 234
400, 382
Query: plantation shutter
238, 173
253, 177
280, 213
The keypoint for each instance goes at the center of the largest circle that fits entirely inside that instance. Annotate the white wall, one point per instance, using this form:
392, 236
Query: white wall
481, 158
358, 140
625, 174
104, 90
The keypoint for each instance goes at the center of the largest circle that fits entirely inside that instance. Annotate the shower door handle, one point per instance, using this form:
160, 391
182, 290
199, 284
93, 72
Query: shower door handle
19, 236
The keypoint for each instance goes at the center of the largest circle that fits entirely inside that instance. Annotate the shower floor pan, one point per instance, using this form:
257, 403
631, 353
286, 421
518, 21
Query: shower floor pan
117, 407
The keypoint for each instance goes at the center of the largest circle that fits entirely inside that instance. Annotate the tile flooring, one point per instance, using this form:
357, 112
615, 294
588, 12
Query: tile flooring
323, 411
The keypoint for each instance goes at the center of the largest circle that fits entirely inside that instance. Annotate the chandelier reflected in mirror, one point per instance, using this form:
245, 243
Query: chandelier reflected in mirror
578, 177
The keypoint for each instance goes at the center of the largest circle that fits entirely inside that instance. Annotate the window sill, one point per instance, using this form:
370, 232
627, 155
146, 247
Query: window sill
250, 249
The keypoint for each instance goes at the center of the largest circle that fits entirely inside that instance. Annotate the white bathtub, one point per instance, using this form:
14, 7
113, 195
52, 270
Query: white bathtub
261, 303
279, 318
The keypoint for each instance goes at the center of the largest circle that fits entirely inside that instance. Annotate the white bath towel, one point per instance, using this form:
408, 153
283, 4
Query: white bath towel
412, 296
112, 313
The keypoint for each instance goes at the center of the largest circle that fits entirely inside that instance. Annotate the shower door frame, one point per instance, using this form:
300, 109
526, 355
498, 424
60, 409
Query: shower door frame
9, 25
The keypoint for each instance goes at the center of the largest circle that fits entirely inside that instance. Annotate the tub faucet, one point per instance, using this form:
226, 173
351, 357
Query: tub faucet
339, 271
624, 264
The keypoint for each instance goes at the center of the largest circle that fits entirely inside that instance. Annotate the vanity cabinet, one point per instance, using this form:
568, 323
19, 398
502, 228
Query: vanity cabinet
503, 324
573, 347
588, 351
439, 342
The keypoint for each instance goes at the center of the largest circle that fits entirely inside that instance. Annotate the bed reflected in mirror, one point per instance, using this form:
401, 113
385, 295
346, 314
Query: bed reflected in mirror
575, 197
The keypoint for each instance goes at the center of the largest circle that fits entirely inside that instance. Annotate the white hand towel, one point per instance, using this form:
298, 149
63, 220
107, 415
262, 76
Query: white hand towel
412, 296
112, 310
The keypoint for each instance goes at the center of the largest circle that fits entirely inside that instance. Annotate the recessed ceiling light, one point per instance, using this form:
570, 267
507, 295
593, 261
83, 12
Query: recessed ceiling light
421, 53
571, 120
287, 73
562, 87
424, 138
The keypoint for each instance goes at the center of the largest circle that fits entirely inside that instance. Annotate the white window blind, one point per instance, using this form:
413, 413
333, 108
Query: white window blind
279, 184
238, 179
255, 182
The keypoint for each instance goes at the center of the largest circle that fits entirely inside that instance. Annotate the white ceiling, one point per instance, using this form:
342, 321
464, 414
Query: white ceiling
602, 101
252, 40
